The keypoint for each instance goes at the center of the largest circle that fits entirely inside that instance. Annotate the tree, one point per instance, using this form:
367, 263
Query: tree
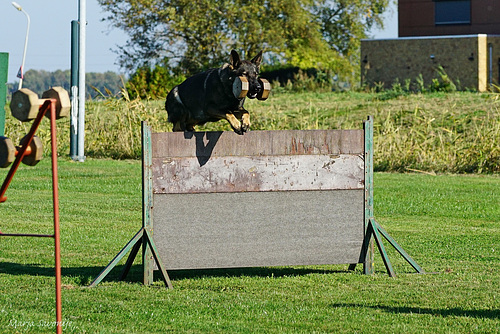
345, 22
196, 35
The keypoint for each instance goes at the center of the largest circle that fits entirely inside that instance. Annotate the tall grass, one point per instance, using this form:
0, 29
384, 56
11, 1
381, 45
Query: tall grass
452, 140
456, 132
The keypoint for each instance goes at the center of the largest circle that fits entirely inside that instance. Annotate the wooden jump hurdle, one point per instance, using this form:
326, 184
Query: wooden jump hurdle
268, 198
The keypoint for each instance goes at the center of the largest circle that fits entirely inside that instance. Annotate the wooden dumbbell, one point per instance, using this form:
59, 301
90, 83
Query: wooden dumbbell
63, 102
240, 87
8, 151
25, 104
266, 89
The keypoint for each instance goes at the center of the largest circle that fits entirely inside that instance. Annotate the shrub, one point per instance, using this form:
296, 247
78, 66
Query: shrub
147, 83
443, 83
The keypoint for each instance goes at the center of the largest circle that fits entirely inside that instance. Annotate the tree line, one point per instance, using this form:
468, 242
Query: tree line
97, 84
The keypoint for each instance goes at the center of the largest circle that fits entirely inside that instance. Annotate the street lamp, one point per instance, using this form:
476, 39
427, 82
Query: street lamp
20, 74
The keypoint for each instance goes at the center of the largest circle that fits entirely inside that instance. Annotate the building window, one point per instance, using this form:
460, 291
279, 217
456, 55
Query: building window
452, 12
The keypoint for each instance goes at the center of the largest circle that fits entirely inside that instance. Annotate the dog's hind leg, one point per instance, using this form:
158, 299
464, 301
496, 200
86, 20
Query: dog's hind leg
178, 127
182, 126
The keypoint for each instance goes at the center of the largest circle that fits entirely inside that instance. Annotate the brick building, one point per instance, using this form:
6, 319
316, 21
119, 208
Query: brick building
462, 36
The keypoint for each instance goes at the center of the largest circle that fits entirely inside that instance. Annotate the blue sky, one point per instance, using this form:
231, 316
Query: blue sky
50, 35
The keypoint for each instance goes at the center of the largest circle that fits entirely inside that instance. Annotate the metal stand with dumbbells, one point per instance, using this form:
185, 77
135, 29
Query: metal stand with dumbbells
26, 106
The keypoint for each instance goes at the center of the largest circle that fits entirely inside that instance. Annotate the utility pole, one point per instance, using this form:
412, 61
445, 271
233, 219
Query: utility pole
82, 17
73, 128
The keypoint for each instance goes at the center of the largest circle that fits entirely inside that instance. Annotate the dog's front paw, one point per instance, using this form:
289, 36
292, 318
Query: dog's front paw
236, 125
239, 131
245, 122
245, 127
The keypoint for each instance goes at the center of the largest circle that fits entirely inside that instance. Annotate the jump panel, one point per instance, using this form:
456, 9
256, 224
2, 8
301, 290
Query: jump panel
268, 198
259, 173
258, 161
224, 230
256, 143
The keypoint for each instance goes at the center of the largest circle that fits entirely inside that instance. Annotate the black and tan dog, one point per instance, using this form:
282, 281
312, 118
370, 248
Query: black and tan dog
208, 96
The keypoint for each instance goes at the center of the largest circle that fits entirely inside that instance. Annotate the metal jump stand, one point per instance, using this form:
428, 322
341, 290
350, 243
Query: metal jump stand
144, 237
372, 228
47, 106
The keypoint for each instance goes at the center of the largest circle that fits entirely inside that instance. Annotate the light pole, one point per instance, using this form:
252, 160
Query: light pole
20, 75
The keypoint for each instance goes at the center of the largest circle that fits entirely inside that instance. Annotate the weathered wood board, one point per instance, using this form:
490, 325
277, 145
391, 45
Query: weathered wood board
260, 173
257, 161
222, 230
267, 198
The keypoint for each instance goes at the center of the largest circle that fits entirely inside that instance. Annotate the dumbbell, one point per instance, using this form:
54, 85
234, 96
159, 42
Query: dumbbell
8, 151
266, 89
241, 87
25, 104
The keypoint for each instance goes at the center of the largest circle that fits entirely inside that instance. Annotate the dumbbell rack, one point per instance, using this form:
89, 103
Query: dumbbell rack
47, 106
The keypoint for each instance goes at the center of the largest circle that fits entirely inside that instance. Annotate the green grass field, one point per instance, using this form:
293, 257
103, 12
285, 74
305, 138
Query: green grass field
450, 224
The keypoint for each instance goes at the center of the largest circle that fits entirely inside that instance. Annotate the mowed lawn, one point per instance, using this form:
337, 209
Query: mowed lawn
450, 224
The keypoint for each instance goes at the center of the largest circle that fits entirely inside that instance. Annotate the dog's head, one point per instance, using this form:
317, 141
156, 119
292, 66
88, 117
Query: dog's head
250, 70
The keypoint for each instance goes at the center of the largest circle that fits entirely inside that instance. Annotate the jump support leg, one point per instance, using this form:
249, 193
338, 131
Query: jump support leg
374, 229
142, 238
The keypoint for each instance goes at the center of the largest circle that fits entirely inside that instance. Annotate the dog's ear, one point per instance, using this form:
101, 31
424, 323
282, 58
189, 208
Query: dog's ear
235, 60
257, 59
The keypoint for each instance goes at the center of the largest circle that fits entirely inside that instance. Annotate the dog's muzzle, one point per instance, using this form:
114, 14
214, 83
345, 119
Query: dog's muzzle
254, 91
